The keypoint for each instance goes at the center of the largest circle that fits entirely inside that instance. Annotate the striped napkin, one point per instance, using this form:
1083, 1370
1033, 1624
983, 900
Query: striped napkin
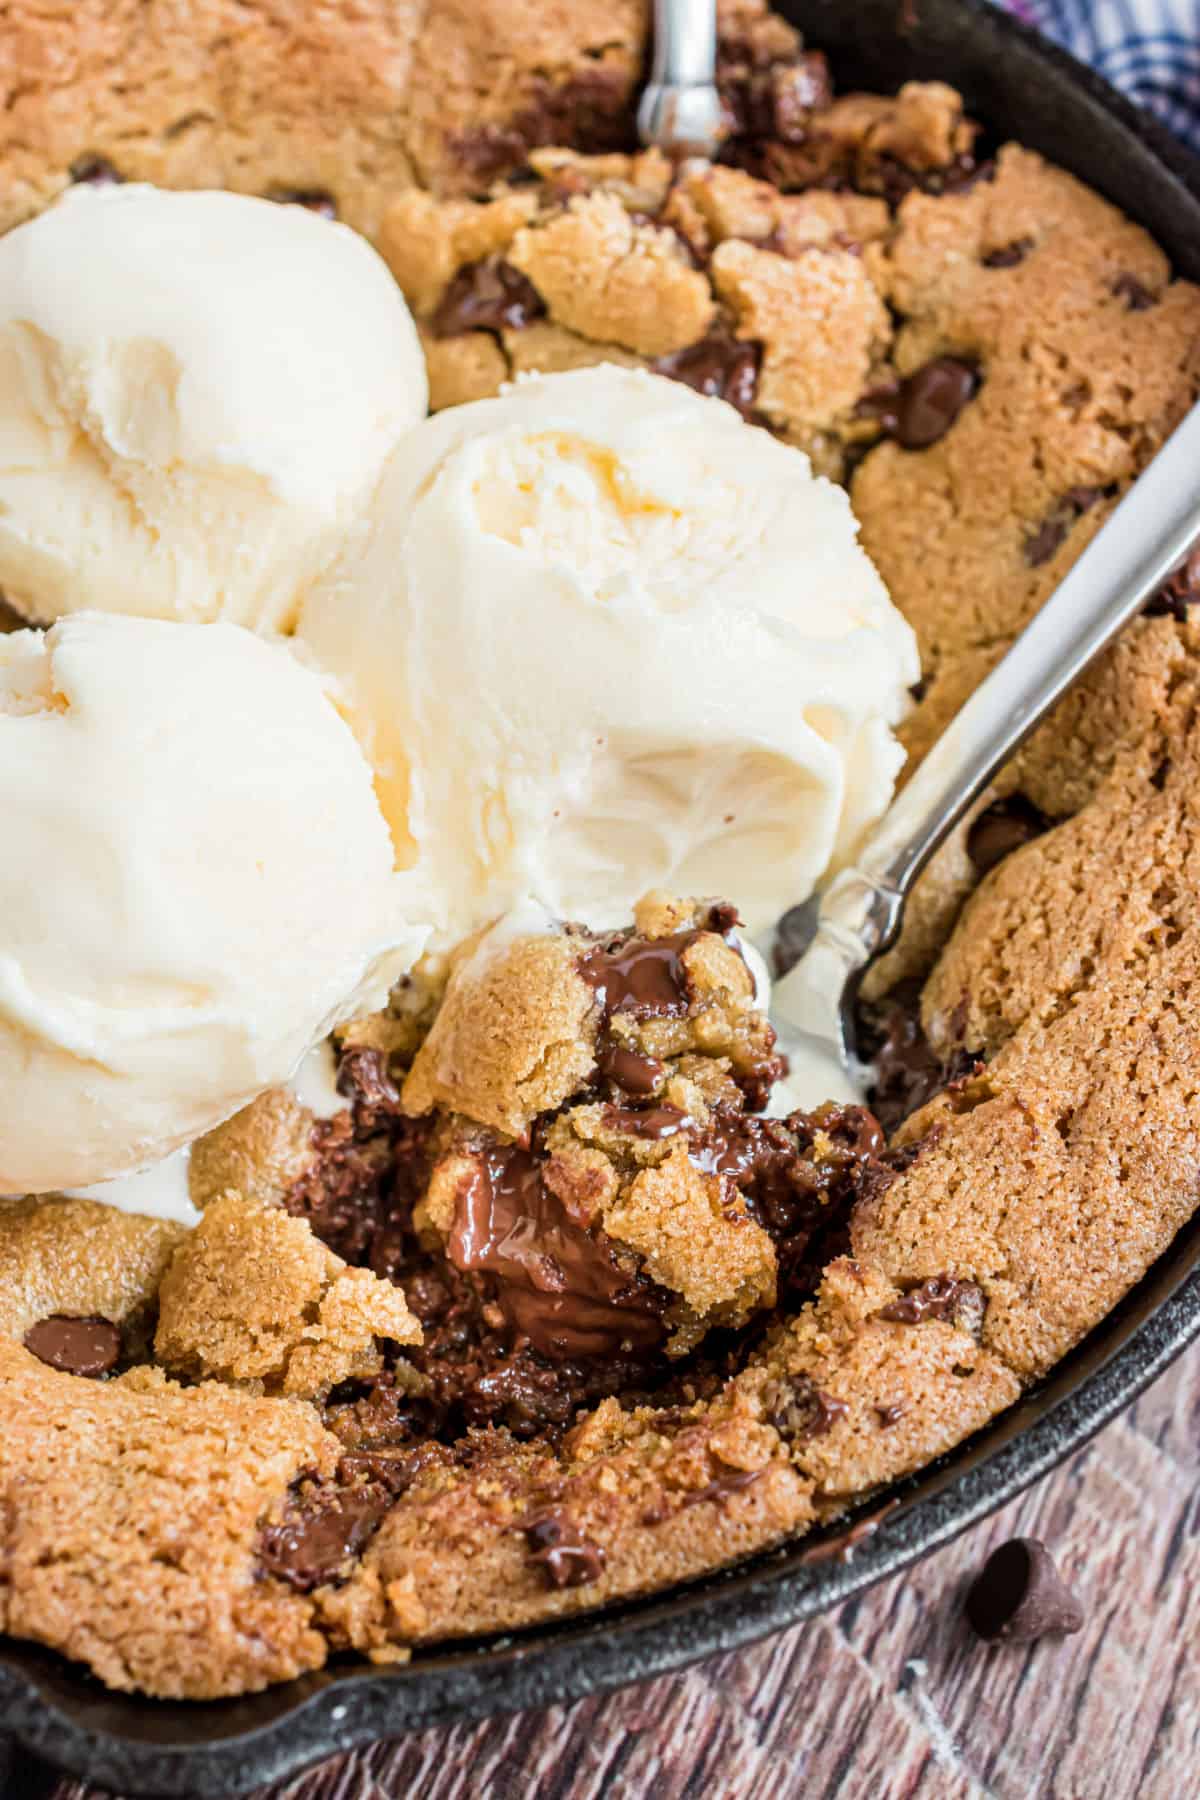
1148, 48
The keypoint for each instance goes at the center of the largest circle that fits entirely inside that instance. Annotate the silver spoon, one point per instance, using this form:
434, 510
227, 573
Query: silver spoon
680, 110
858, 915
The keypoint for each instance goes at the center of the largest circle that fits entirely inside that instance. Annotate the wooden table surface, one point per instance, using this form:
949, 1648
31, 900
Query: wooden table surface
891, 1697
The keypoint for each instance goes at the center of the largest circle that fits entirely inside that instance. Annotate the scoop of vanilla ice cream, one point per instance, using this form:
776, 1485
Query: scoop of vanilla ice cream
196, 883
196, 391
599, 635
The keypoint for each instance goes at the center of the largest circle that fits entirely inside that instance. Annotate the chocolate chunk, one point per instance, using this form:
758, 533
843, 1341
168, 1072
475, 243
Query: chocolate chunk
317, 1536
87, 1346
1180, 591
635, 1074
800, 1411
765, 98
890, 1415
593, 112
487, 296
1136, 297
720, 367
568, 1558
312, 199
1009, 255
931, 399
95, 171
1052, 532
943, 1297
1019, 1595
1002, 828
558, 1283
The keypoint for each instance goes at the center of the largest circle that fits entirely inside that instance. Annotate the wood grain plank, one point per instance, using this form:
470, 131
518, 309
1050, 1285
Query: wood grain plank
891, 1698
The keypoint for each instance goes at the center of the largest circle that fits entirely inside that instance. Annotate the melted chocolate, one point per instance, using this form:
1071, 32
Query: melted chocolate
720, 367
652, 1122
644, 978
908, 1071
801, 1411
558, 1283
487, 296
800, 1191
567, 1557
633, 1074
944, 1297
88, 1346
317, 1536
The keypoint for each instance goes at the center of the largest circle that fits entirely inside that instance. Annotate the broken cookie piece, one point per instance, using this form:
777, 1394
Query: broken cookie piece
254, 1299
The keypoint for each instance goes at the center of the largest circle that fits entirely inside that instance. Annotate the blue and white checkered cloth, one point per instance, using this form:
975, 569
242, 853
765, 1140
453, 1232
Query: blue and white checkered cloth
1148, 48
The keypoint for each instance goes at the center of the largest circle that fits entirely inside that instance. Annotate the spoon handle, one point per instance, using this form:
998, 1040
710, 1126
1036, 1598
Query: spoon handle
1148, 535
681, 109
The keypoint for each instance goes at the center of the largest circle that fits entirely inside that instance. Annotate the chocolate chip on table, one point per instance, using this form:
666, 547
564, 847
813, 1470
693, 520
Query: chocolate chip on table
1002, 828
1019, 1595
720, 367
1008, 255
567, 1557
88, 1346
487, 296
1180, 591
1136, 297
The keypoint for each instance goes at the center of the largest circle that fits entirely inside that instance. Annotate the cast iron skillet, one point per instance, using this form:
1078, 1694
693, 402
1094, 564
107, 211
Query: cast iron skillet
1018, 86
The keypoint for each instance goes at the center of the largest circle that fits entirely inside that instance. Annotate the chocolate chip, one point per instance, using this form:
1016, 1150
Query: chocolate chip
1009, 255
931, 399
315, 1538
800, 1411
1019, 1595
487, 296
1002, 828
890, 1415
95, 171
87, 1346
567, 1557
719, 366
1136, 297
1180, 591
1053, 530
943, 1297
